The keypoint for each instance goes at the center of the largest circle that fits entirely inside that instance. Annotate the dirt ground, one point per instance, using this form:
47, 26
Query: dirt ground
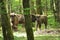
48, 32
51, 32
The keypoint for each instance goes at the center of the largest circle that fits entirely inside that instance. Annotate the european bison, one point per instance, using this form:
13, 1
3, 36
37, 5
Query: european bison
14, 21
41, 19
19, 19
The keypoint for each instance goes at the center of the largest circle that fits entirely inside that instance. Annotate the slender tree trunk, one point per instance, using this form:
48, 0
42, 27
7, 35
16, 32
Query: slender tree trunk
9, 28
59, 10
45, 13
8, 6
53, 8
28, 21
56, 17
6, 26
2, 23
39, 7
57, 5
20, 7
32, 8
4, 32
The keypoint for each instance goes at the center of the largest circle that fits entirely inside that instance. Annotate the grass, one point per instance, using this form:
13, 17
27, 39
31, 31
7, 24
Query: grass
47, 38
1, 38
37, 38
20, 38
41, 38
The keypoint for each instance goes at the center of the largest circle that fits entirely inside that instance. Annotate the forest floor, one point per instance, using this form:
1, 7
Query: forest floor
50, 32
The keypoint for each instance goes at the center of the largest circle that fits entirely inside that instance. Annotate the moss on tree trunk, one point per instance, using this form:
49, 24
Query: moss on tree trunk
5, 21
28, 22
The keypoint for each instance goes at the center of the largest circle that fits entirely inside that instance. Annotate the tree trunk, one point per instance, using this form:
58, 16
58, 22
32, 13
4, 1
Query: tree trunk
6, 27
55, 9
20, 7
8, 6
57, 5
4, 32
52, 6
9, 27
59, 10
5, 21
32, 8
28, 21
45, 13
39, 7
28, 26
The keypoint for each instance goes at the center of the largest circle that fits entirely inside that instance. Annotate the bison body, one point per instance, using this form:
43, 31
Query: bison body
14, 22
42, 19
19, 19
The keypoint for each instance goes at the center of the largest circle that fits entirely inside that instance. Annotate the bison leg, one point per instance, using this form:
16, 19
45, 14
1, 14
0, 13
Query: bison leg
37, 25
45, 25
40, 26
15, 28
23, 26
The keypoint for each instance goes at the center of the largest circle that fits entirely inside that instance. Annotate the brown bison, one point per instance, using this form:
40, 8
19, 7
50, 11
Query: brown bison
13, 22
41, 19
19, 19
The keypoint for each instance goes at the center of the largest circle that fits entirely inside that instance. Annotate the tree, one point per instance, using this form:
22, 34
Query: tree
45, 7
57, 10
5, 21
20, 7
28, 25
32, 8
53, 8
39, 7
8, 6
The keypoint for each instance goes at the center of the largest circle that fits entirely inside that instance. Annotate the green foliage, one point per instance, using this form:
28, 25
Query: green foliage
44, 4
15, 5
51, 21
